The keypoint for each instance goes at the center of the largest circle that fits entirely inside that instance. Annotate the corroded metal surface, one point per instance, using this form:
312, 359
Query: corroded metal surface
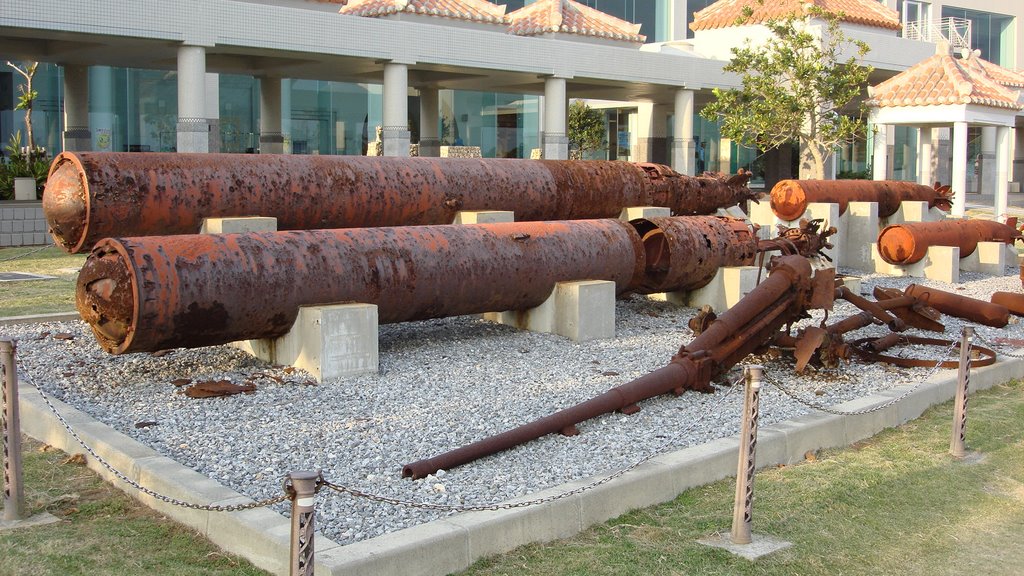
870, 349
789, 198
151, 293
93, 195
908, 243
755, 319
986, 313
1013, 301
686, 253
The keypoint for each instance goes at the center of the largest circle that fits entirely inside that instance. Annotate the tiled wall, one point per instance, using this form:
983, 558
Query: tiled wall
22, 224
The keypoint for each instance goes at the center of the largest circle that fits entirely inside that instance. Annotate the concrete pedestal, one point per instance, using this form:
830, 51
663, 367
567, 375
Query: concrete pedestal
580, 311
728, 287
238, 224
634, 212
940, 263
24, 188
859, 228
483, 216
762, 215
913, 211
988, 258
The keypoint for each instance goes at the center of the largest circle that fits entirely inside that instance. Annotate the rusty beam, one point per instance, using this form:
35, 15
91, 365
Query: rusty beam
972, 309
1013, 301
908, 243
789, 198
93, 195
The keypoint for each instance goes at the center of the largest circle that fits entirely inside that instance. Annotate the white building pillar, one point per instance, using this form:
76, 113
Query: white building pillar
1004, 139
652, 134
880, 153
959, 179
684, 150
77, 137
193, 128
101, 110
430, 140
987, 182
925, 156
212, 99
554, 140
271, 138
396, 134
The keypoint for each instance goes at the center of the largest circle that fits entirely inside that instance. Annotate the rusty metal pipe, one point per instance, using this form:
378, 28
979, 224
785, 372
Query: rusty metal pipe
972, 309
93, 195
152, 293
740, 330
789, 198
1013, 301
908, 243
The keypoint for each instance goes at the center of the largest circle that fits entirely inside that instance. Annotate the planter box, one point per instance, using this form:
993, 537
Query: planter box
24, 188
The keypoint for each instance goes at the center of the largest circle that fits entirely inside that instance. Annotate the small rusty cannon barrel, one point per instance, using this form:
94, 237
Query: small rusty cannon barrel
93, 195
157, 292
789, 198
908, 243
780, 299
686, 253
972, 309
1013, 301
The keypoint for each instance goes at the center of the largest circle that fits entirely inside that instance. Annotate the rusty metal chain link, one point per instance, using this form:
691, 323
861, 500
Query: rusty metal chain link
147, 491
814, 405
29, 253
1001, 348
342, 489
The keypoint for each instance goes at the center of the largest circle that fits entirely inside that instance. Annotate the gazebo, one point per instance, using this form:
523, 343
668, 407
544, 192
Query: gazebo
950, 90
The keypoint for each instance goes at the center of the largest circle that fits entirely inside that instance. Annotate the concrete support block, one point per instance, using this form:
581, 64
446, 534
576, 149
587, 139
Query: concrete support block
851, 282
239, 224
483, 216
728, 287
988, 258
940, 263
761, 214
327, 341
634, 212
859, 228
829, 214
580, 311
914, 211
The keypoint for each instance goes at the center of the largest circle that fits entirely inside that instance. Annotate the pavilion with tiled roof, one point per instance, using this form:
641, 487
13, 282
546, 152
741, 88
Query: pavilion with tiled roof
465, 10
726, 13
944, 90
567, 18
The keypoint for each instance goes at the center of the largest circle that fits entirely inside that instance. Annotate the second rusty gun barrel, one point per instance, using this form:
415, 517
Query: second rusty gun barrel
789, 198
93, 195
987, 313
908, 243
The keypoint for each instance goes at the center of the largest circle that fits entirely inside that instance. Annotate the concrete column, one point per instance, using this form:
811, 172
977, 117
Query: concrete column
684, 160
1004, 139
652, 133
925, 156
987, 162
430, 138
880, 153
271, 138
286, 114
959, 178
77, 137
943, 156
193, 128
213, 111
554, 140
101, 109
396, 134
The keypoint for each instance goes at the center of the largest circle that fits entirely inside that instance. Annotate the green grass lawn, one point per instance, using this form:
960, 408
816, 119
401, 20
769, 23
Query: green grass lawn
39, 296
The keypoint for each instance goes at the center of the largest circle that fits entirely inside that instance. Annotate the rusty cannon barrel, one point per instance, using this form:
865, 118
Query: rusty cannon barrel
789, 198
93, 195
908, 243
1013, 301
987, 313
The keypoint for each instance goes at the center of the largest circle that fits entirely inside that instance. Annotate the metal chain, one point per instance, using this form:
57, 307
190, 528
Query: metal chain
29, 253
816, 406
995, 346
512, 505
149, 492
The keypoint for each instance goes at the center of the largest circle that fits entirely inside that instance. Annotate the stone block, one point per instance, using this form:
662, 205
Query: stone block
499, 531
859, 227
483, 216
940, 263
728, 287
913, 211
987, 258
828, 213
581, 311
238, 225
6, 226
18, 226
810, 432
5, 240
331, 341
634, 212
396, 552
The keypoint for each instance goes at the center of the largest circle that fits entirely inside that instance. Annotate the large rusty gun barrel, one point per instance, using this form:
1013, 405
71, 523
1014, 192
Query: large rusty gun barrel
150, 293
789, 198
94, 195
782, 298
908, 243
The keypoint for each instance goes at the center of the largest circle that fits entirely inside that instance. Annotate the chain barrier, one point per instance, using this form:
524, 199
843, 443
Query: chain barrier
1001, 348
814, 405
29, 253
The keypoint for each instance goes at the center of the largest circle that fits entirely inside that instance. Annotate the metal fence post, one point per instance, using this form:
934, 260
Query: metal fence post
742, 508
956, 445
10, 428
302, 486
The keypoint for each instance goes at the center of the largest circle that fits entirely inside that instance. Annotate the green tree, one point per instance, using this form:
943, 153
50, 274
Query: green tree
26, 98
795, 87
586, 128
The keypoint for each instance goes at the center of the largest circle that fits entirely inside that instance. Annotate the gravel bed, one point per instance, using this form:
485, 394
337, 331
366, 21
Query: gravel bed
442, 384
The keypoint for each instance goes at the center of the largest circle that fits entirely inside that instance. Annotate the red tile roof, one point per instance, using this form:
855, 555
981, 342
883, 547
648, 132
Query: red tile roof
723, 14
944, 79
470, 10
569, 17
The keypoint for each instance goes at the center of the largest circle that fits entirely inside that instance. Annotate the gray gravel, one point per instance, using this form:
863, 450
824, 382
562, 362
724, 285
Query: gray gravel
442, 384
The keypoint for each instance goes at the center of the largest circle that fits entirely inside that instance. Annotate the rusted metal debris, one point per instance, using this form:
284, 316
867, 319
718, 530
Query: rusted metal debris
781, 299
994, 315
871, 349
93, 195
789, 198
217, 388
1014, 301
908, 243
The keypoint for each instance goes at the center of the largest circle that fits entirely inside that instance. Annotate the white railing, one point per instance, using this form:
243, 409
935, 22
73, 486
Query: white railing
956, 31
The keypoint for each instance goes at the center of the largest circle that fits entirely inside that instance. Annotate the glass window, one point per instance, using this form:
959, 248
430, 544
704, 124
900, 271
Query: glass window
652, 15
991, 33
695, 6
